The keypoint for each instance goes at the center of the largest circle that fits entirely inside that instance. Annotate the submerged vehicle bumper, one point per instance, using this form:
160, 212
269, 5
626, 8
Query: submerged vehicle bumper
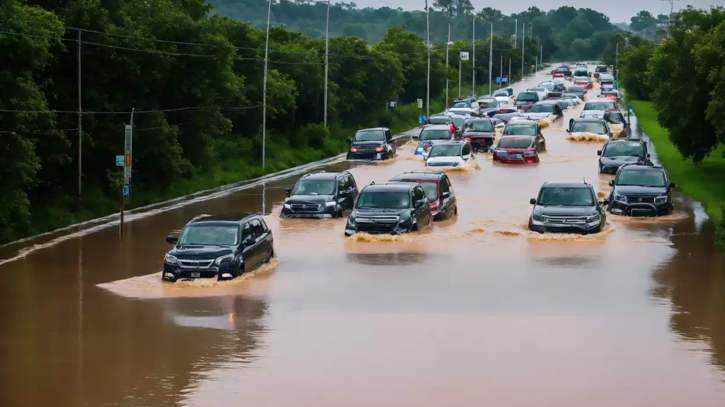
366, 155
172, 273
326, 212
583, 228
641, 209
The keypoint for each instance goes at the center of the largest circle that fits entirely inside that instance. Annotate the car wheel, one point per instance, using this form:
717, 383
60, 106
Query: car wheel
414, 228
271, 255
240, 271
455, 210
339, 213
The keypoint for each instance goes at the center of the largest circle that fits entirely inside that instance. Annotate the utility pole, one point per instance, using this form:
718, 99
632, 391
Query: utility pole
523, 45
448, 44
490, 60
460, 62
616, 57
669, 17
516, 33
327, 55
508, 83
541, 54
427, 30
473, 76
264, 87
500, 72
80, 121
536, 64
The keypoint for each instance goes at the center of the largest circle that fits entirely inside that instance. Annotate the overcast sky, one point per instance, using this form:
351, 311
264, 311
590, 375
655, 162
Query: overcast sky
617, 10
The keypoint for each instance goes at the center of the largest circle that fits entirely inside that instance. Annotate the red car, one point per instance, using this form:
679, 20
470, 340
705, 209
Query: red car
517, 150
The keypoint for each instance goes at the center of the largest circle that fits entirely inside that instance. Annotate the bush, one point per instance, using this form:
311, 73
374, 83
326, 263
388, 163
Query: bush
313, 135
720, 232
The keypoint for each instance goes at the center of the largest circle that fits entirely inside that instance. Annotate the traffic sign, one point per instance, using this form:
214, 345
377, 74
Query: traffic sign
464, 56
505, 80
498, 79
420, 103
119, 161
126, 190
631, 109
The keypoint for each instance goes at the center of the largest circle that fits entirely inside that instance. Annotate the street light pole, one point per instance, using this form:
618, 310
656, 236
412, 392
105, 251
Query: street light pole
264, 87
500, 72
490, 60
523, 45
460, 61
448, 44
516, 33
473, 85
427, 29
616, 57
327, 55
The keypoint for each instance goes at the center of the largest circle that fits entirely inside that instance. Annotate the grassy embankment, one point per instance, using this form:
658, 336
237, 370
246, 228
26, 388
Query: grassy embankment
704, 182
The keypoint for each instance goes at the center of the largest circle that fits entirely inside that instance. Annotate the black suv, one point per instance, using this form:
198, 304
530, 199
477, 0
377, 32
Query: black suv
641, 190
438, 190
616, 153
371, 144
222, 247
320, 195
393, 208
567, 207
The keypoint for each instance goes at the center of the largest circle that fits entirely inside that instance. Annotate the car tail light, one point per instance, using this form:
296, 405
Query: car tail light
426, 145
530, 153
501, 110
353, 149
434, 205
468, 139
379, 149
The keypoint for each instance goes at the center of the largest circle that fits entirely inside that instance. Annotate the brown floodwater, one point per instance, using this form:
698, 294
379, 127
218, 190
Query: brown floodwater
473, 311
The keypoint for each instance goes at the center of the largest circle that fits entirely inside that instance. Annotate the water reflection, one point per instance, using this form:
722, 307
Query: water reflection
387, 259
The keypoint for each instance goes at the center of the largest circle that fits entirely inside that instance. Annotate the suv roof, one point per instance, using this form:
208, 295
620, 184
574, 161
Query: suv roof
373, 128
589, 119
436, 127
432, 175
392, 186
227, 217
322, 175
635, 166
566, 185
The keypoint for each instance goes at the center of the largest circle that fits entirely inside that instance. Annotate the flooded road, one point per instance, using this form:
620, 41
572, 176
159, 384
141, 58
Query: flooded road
473, 311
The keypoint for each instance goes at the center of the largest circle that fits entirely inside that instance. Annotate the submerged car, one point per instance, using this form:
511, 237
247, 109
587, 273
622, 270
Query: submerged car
502, 96
617, 118
517, 150
579, 91
617, 153
221, 247
591, 125
438, 190
599, 107
393, 208
583, 81
641, 190
567, 207
525, 127
449, 154
548, 109
528, 98
432, 134
481, 132
371, 144
320, 195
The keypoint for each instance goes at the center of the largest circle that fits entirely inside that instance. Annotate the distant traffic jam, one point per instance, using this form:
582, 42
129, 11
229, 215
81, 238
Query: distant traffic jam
506, 127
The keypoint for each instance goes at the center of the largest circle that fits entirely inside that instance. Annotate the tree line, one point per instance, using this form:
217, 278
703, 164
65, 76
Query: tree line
565, 33
194, 80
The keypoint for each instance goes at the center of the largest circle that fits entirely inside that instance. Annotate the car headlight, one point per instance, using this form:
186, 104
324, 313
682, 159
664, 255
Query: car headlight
171, 259
536, 217
224, 259
661, 199
287, 206
330, 204
620, 198
351, 220
594, 218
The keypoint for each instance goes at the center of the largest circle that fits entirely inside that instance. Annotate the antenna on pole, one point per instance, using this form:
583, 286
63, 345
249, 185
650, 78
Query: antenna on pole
669, 16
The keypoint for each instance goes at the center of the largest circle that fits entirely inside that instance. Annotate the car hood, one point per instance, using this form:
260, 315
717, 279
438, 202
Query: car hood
473, 133
197, 252
639, 190
378, 143
599, 113
444, 161
619, 160
565, 210
500, 99
535, 116
308, 199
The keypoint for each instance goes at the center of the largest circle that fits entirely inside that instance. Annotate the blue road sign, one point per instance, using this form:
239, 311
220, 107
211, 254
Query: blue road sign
119, 161
498, 79
631, 109
505, 80
126, 190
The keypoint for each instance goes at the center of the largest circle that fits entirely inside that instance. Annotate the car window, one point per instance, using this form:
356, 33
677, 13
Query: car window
257, 229
515, 142
518, 130
479, 125
488, 103
370, 135
565, 197
444, 185
419, 194
430, 189
644, 177
341, 184
247, 230
589, 127
209, 234
388, 135
264, 225
439, 120
434, 134
466, 149
314, 187
390, 200
542, 109
623, 149
445, 150
528, 97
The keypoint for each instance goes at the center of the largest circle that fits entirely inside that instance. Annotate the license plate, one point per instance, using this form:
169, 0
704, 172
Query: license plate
380, 156
419, 150
195, 275
515, 156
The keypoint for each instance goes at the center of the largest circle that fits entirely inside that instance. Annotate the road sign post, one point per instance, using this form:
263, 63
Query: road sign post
126, 161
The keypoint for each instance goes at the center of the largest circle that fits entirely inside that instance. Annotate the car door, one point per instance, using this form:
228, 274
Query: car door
266, 241
247, 249
443, 187
341, 196
422, 215
390, 145
466, 152
258, 248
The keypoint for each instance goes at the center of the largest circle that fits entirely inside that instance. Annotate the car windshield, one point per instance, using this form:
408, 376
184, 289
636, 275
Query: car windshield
644, 177
515, 142
458, 121
487, 103
565, 197
312, 187
577, 89
580, 73
603, 105
519, 130
480, 125
527, 96
626, 149
542, 109
384, 200
616, 118
445, 151
460, 104
437, 134
439, 120
209, 234
589, 127
370, 135
500, 93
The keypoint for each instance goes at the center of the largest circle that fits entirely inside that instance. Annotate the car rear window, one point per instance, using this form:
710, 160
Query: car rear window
527, 96
370, 135
439, 120
487, 103
623, 149
603, 105
499, 93
588, 127
480, 125
542, 109
445, 151
519, 130
515, 142
435, 134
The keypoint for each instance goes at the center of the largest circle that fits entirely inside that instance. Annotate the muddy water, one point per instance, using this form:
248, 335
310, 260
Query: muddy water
475, 310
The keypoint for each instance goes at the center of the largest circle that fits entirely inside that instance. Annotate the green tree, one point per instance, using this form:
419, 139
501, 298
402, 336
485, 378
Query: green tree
633, 62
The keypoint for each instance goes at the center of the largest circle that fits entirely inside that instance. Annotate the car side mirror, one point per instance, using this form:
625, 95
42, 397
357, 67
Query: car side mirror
532, 201
599, 152
349, 141
287, 191
648, 155
673, 185
248, 241
171, 239
350, 192
611, 182
446, 195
